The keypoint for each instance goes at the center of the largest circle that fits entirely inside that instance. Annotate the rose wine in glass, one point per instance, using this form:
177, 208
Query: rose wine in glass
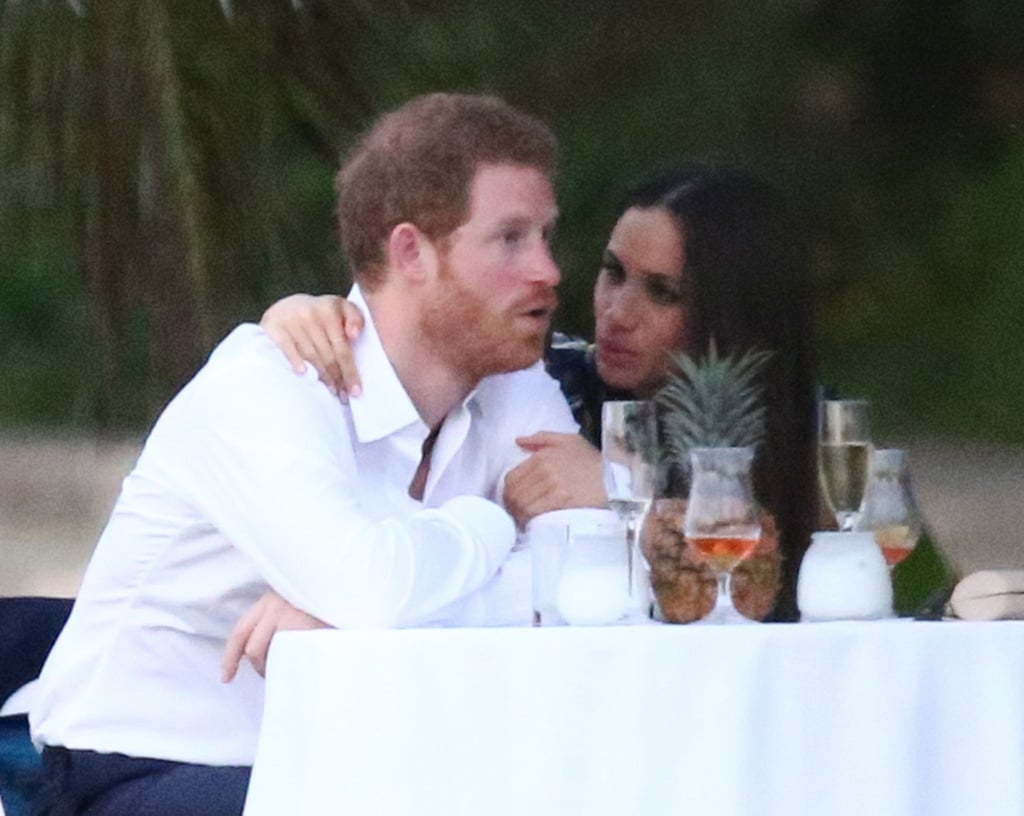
722, 521
629, 456
724, 553
897, 542
890, 510
844, 451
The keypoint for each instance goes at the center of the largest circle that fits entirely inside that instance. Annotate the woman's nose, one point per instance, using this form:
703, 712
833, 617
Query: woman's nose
622, 308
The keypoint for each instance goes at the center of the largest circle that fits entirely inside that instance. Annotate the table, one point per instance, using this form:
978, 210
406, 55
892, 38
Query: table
869, 718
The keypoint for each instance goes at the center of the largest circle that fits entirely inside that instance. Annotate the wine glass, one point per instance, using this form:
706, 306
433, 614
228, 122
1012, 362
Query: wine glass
629, 455
722, 522
844, 447
889, 509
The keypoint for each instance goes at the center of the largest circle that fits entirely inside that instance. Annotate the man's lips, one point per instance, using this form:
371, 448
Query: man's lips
541, 310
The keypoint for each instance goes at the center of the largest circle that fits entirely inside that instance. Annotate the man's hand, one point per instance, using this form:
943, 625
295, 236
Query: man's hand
564, 470
318, 330
256, 628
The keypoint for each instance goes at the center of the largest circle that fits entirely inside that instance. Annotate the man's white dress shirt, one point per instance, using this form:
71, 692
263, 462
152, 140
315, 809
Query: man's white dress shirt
256, 478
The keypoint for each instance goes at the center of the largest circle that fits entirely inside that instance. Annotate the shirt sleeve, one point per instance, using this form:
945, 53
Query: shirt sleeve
266, 458
532, 401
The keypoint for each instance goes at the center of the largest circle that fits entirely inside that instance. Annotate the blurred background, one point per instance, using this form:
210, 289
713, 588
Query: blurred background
166, 172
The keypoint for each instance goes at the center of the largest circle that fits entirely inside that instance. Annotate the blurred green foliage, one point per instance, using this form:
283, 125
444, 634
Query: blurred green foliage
166, 171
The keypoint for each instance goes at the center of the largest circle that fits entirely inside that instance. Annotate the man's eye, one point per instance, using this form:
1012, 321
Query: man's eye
512, 238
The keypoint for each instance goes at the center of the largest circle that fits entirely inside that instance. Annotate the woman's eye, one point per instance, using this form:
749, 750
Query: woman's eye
612, 270
663, 293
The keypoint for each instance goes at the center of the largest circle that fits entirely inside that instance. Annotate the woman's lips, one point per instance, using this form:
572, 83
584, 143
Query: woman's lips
612, 353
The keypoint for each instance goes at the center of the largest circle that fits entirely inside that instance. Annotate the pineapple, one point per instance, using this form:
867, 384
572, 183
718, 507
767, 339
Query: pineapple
715, 401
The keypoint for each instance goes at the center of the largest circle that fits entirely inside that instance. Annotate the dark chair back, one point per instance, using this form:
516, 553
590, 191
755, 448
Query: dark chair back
28, 628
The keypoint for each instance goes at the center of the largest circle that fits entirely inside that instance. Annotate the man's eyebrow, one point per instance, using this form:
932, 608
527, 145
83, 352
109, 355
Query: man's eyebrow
524, 220
515, 221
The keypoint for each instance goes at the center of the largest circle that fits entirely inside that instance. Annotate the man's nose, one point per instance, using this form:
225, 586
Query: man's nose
543, 267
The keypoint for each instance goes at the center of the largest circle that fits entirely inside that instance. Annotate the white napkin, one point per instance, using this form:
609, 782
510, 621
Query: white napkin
989, 595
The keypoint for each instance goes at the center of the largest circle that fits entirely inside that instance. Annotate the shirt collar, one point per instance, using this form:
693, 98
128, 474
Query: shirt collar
384, 406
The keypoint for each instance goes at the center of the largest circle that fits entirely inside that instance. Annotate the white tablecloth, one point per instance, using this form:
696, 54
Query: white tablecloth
894, 717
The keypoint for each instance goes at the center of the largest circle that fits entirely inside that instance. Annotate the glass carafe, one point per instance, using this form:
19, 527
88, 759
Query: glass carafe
889, 509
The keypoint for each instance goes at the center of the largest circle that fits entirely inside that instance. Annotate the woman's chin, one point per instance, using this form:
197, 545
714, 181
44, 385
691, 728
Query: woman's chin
638, 387
617, 379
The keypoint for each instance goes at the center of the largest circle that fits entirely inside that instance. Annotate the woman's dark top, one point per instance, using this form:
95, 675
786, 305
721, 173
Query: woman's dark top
570, 360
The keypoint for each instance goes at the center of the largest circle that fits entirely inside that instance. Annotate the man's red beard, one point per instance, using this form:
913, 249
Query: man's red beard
478, 341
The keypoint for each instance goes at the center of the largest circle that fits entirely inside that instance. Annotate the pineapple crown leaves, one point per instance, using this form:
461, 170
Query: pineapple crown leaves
715, 401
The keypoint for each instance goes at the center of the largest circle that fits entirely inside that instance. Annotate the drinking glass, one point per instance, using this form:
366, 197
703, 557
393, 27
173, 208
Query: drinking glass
889, 509
722, 522
579, 567
844, 448
629, 455
593, 587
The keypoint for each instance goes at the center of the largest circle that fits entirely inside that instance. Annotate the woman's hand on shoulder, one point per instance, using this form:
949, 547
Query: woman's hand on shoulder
318, 330
563, 470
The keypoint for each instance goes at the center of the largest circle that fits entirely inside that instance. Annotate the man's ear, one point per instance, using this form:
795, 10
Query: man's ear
410, 252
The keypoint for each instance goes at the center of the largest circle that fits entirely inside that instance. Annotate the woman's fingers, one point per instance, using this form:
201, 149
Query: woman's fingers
352, 319
343, 325
344, 365
287, 344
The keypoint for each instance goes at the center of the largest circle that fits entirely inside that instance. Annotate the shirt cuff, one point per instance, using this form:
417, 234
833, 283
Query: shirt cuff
490, 527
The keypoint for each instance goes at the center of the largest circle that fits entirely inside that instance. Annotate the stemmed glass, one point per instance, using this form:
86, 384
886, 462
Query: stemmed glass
722, 522
890, 510
629, 455
844, 447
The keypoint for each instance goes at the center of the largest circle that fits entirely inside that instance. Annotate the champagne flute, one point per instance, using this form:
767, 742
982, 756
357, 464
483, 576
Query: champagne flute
723, 522
890, 510
844, 447
629, 454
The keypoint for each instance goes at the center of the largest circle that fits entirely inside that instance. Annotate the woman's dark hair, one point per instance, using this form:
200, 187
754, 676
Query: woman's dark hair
750, 281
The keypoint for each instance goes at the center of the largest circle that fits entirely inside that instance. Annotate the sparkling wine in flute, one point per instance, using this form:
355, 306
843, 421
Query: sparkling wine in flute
844, 474
844, 446
629, 456
723, 553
